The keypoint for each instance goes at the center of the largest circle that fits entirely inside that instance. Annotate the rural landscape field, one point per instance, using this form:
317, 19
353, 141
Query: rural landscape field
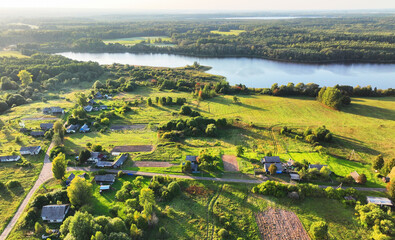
238, 123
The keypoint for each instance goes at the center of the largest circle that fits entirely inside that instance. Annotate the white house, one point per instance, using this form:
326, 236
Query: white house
30, 150
54, 213
10, 158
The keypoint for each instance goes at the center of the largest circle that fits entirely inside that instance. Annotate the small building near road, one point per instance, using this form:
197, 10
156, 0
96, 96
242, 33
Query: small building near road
30, 150
72, 128
104, 164
37, 134
121, 160
69, 179
107, 179
194, 163
53, 110
355, 175
91, 102
98, 95
88, 108
104, 188
294, 176
12, 158
84, 128
317, 166
96, 157
46, 126
54, 213
269, 160
381, 201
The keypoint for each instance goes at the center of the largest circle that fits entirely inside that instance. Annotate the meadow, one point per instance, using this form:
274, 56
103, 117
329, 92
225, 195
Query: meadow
15, 54
134, 40
231, 32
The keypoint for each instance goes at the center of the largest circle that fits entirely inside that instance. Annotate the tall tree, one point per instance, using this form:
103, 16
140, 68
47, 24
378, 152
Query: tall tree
146, 197
79, 192
378, 162
59, 129
59, 166
25, 77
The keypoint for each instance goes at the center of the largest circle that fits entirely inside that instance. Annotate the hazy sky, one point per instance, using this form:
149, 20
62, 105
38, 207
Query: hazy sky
212, 5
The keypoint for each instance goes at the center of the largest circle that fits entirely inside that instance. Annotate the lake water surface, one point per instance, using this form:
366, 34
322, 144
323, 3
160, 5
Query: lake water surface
259, 73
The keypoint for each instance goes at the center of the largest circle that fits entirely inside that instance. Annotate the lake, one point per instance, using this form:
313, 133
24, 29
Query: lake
259, 73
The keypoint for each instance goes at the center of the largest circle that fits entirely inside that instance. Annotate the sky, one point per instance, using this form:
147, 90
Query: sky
208, 5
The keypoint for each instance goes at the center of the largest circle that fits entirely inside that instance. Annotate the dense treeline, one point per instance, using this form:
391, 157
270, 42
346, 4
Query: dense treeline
28, 77
353, 39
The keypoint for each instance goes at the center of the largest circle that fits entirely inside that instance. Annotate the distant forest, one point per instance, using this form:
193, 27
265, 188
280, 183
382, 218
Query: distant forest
315, 40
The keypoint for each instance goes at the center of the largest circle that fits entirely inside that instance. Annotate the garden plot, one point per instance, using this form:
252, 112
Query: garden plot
230, 163
152, 164
278, 224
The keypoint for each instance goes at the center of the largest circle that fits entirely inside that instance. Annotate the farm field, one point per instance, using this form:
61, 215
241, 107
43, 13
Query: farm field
135, 40
15, 54
231, 32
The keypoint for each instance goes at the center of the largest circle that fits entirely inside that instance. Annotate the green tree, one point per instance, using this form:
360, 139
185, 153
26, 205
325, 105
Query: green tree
239, 151
319, 230
236, 99
135, 232
146, 197
391, 188
81, 226
59, 166
272, 169
84, 156
149, 102
81, 99
98, 236
362, 179
39, 229
331, 97
79, 192
25, 77
378, 162
211, 130
98, 85
58, 128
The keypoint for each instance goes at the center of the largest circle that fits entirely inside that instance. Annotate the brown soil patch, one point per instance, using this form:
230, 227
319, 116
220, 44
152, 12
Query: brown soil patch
230, 163
195, 190
133, 148
152, 164
278, 224
128, 127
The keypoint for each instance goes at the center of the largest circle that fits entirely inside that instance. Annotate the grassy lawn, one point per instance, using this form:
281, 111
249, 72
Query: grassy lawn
231, 32
10, 199
135, 40
15, 54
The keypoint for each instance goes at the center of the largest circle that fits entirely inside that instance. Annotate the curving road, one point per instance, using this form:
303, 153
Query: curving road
45, 175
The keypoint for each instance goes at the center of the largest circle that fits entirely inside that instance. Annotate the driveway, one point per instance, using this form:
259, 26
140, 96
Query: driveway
45, 175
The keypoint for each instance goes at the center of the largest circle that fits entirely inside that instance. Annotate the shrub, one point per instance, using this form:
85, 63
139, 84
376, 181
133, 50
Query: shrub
239, 151
362, 179
38, 229
378, 162
272, 169
223, 233
211, 130
13, 184
186, 167
319, 230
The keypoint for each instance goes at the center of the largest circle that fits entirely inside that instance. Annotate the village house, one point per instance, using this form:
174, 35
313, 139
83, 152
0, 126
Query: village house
23, 130
72, 176
121, 160
104, 188
12, 158
96, 157
98, 95
91, 102
267, 161
72, 128
381, 201
355, 176
37, 134
104, 164
103, 107
46, 126
194, 163
53, 110
30, 150
54, 213
84, 128
294, 176
88, 108
317, 166
107, 179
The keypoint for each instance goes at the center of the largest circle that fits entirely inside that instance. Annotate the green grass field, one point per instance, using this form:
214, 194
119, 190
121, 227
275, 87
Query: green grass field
135, 40
231, 32
15, 54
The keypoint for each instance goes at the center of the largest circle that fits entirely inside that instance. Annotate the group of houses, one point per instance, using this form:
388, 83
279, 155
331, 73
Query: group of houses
92, 103
33, 150
101, 163
73, 128
53, 110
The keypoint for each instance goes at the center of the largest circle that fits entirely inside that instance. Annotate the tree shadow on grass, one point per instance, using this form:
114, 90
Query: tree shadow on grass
6, 195
370, 111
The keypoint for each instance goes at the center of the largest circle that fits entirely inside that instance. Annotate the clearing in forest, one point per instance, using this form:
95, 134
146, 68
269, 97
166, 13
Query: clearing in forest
278, 224
230, 163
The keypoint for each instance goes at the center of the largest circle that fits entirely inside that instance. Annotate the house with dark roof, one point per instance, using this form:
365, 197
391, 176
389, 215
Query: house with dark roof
23, 130
69, 179
104, 164
88, 108
269, 160
53, 110
107, 179
91, 102
72, 128
46, 126
30, 150
103, 107
317, 166
12, 158
98, 95
121, 160
37, 134
84, 128
54, 213
194, 163
96, 157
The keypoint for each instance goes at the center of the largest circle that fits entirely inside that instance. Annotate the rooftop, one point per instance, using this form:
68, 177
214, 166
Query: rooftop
379, 201
105, 178
273, 159
54, 212
121, 160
